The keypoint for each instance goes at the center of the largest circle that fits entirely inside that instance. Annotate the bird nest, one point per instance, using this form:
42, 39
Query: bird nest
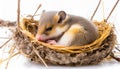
39, 51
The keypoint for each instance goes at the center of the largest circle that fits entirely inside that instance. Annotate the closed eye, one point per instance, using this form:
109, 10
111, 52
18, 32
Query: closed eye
48, 29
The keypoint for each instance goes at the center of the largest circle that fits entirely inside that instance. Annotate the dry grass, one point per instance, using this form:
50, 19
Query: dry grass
103, 27
27, 45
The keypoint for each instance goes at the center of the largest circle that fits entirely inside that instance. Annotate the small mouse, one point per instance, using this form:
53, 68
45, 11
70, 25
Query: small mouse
58, 27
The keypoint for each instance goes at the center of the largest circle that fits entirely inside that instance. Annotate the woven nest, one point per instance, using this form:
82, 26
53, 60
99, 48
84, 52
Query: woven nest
88, 54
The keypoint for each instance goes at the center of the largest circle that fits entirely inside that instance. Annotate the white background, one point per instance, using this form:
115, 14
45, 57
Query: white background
84, 8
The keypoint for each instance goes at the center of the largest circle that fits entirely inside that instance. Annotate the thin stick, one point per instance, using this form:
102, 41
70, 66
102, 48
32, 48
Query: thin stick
36, 10
103, 9
7, 64
12, 49
113, 56
117, 49
95, 10
18, 13
39, 57
112, 10
4, 38
9, 57
5, 43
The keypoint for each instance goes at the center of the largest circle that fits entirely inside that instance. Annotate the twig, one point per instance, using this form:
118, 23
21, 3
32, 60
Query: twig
7, 64
95, 10
18, 13
4, 38
112, 10
36, 10
12, 49
5, 43
113, 56
103, 10
37, 53
117, 49
9, 57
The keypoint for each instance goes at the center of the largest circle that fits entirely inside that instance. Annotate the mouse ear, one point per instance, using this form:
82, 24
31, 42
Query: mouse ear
62, 16
43, 13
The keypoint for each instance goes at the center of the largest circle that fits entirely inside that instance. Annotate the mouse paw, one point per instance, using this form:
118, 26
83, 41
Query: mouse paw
52, 42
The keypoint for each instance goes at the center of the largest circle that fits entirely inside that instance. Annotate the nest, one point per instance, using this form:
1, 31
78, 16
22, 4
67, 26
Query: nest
88, 54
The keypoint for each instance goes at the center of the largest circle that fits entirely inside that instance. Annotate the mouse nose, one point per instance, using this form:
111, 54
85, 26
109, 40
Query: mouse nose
40, 37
